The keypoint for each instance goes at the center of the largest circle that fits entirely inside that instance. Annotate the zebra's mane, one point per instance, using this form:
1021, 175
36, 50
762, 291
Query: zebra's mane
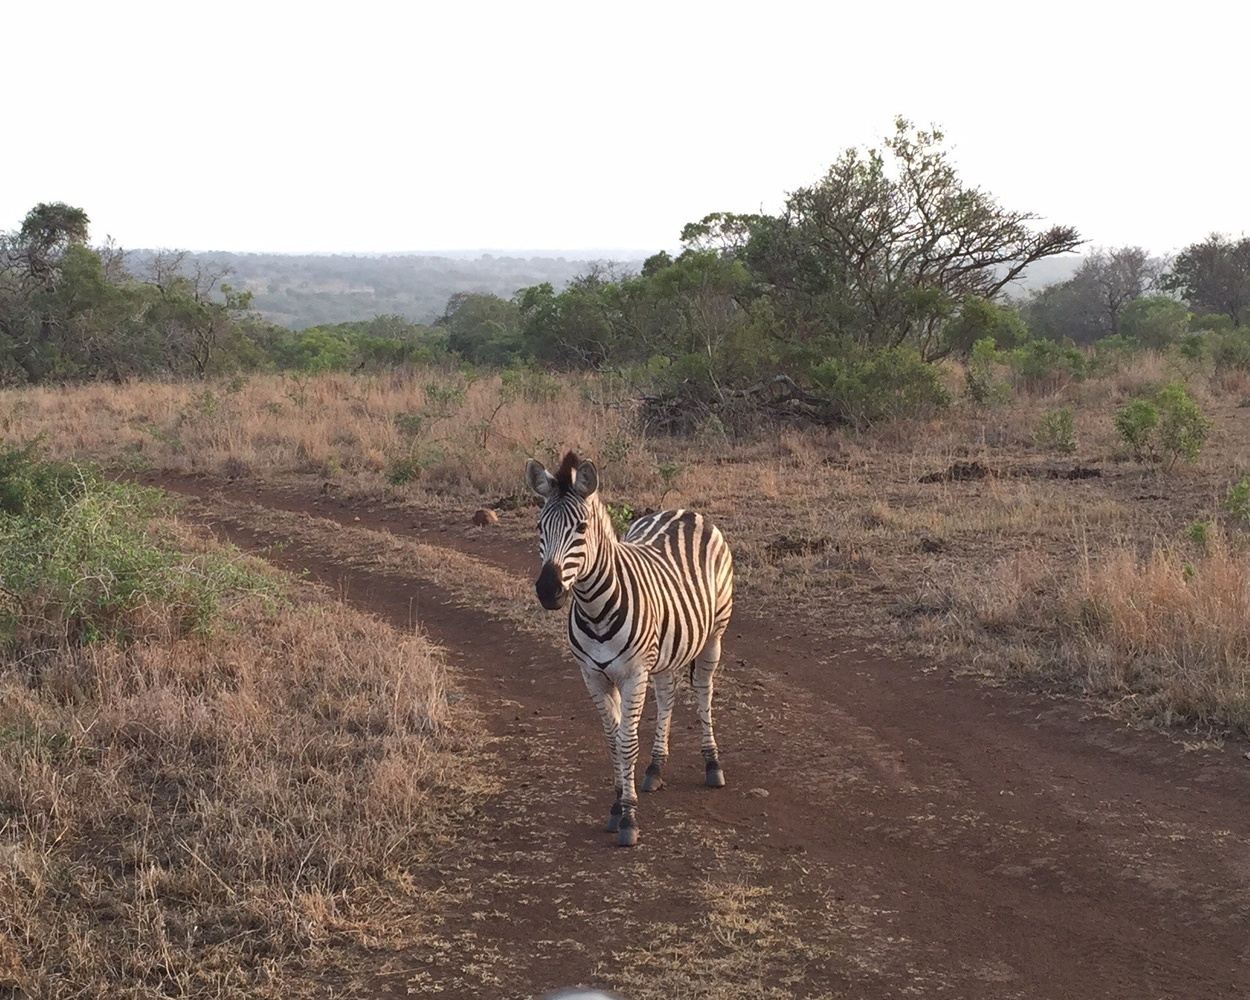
567, 472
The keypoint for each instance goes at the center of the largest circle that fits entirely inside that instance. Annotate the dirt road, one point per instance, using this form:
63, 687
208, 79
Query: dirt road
889, 830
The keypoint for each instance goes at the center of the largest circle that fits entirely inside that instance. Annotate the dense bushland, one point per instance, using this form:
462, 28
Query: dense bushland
833, 310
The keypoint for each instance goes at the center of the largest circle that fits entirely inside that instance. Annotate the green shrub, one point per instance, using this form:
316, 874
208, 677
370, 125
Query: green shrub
979, 319
410, 424
1230, 350
863, 389
1193, 346
1165, 429
1136, 423
980, 383
1046, 365
403, 470
81, 561
1237, 503
1199, 532
622, 515
1182, 427
31, 486
1155, 320
1110, 354
1057, 431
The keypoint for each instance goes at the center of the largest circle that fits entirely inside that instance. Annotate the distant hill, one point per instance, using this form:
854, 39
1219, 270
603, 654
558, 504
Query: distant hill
302, 290
1048, 271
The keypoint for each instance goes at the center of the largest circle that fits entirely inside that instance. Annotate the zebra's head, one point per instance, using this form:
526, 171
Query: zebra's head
566, 535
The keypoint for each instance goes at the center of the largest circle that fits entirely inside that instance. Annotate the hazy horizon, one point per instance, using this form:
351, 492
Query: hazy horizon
502, 129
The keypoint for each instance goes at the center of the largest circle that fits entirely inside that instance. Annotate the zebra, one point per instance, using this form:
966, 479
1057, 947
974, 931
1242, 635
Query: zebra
644, 607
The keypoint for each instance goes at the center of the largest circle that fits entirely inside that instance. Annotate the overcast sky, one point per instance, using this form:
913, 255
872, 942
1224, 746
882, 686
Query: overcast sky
385, 127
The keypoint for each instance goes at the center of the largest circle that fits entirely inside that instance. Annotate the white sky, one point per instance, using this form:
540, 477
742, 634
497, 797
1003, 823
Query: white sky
406, 126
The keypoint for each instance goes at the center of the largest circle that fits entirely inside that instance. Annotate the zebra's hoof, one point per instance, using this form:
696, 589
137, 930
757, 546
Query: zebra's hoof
627, 835
652, 781
614, 818
714, 777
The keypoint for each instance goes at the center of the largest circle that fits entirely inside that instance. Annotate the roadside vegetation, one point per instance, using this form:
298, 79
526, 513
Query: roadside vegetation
1017, 535
213, 780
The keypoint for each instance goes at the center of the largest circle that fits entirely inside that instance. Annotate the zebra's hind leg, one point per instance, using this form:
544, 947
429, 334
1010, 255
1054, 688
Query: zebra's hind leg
665, 695
608, 700
703, 676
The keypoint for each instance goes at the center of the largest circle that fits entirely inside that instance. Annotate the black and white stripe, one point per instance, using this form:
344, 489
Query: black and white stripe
644, 608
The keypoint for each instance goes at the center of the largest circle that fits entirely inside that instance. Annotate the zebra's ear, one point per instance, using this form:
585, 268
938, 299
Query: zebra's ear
541, 481
587, 480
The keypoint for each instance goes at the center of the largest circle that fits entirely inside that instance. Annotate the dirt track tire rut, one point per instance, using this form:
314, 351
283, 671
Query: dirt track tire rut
906, 832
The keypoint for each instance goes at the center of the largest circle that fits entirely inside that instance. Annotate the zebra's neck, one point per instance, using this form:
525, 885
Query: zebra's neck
593, 588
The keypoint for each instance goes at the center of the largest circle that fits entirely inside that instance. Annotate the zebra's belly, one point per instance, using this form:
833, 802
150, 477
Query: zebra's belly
619, 658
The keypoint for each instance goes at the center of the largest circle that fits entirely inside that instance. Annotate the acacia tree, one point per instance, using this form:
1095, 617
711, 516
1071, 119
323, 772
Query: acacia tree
30, 268
1214, 277
197, 315
881, 249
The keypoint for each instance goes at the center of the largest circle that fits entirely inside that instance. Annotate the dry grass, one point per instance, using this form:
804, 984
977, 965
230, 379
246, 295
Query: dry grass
828, 526
436, 428
1172, 626
230, 814
1164, 632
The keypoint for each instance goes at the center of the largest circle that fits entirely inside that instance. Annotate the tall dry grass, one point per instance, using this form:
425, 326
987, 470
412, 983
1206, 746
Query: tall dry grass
1172, 627
829, 525
230, 814
1162, 629
432, 430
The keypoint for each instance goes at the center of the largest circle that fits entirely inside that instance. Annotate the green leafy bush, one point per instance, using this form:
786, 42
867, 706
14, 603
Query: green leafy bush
1193, 346
1057, 431
863, 389
980, 383
979, 319
1046, 365
1230, 350
622, 515
1164, 429
1237, 503
1136, 424
30, 486
1199, 532
1110, 354
403, 470
81, 561
1155, 320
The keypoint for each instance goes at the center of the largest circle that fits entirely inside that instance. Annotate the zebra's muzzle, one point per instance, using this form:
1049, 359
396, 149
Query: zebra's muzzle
550, 588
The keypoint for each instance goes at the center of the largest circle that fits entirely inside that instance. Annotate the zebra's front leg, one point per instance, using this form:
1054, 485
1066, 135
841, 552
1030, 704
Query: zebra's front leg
665, 694
608, 700
703, 676
633, 690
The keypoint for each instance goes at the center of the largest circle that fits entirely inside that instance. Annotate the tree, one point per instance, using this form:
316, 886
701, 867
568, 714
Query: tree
197, 315
484, 329
1155, 320
47, 231
1116, 278
881, 249
1214, 277
1092, 302
30, 261
980, 319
